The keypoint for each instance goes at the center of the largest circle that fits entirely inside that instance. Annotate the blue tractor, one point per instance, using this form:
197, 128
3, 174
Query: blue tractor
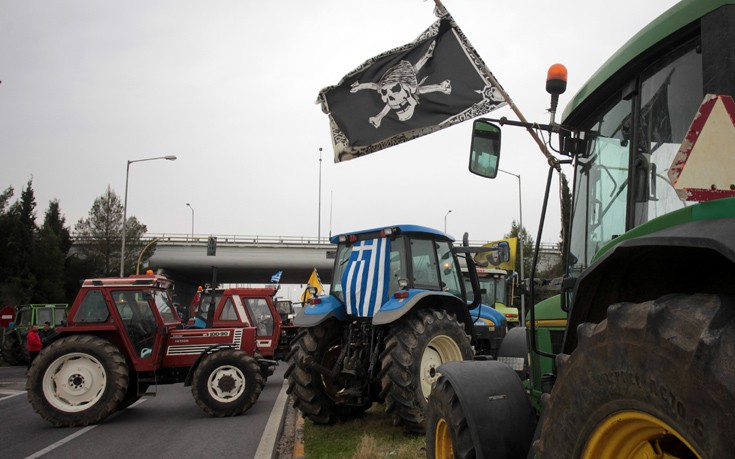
398, 308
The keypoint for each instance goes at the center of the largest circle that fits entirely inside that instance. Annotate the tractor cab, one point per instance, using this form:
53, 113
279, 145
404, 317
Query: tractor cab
248, 307
142, 304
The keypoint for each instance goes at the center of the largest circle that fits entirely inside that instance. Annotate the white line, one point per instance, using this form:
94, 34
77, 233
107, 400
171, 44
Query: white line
267, 445
76, 434
10, 394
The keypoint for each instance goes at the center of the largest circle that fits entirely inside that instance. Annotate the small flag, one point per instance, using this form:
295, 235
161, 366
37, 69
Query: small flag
276, 278
314, 281
434, 82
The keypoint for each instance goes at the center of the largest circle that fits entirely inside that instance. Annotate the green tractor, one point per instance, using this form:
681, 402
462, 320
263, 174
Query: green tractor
635, 357
14, 350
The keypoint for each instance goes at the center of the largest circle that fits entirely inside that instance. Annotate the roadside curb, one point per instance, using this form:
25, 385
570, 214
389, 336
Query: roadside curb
298, 444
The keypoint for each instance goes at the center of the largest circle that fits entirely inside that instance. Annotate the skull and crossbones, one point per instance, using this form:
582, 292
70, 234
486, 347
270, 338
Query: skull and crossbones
399, 88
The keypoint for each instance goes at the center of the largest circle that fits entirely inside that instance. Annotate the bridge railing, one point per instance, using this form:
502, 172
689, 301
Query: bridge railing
255, 239
235, 239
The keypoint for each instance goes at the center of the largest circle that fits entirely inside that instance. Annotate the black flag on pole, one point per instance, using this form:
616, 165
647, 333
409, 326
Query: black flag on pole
434, 82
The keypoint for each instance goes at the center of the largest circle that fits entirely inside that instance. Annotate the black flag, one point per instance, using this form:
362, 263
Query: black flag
434, 82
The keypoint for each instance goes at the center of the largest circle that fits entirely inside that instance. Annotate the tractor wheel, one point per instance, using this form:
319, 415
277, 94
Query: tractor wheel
447, 433
478, 409
11, 350
653, 380
227, 383
416, 346
77, 380
315, 393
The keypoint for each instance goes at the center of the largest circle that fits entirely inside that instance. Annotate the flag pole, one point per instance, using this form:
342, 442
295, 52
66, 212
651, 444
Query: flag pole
553, 162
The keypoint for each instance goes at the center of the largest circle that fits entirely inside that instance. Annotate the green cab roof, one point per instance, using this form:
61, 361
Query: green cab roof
678, 16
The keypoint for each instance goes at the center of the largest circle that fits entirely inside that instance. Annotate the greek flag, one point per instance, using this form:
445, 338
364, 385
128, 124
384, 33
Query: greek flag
365, 280
276, 278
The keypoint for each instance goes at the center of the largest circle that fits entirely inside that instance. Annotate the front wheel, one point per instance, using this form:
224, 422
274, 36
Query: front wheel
416, 346
653, 380
227, 383
77, 380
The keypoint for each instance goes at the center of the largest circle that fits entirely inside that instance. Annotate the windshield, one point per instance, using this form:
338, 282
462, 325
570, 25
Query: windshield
619, 185
494, 289
164, 305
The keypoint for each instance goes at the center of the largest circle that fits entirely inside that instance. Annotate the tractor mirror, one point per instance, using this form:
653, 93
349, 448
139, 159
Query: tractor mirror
485, 148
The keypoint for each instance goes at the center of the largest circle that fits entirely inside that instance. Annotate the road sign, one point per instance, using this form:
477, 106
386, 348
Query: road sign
7, 314
704, 167
212, 246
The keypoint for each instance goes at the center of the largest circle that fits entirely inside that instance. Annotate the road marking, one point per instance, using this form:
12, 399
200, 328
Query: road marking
8, 393
76, 434
267, 445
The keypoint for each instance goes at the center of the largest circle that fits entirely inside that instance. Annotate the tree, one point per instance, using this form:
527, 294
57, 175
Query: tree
49, 257
99, 237
515, 230
18, 231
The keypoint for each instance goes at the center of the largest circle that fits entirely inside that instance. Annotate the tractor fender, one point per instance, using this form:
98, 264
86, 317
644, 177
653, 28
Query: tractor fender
395, 308
500, 418
649, 266
314, 314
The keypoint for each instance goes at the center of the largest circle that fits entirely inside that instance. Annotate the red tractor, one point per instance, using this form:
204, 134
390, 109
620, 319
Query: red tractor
250, 307
123, 335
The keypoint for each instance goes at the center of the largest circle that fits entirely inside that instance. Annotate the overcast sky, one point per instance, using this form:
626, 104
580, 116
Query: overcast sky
229, 87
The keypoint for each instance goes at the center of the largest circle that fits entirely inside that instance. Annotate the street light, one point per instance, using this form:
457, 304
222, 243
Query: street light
319, 224
192, 220
520, 240
445, 221
125, 206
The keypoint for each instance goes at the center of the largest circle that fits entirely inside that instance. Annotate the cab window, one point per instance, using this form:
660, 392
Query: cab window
424, 264
93, 308
228, 311
261, 315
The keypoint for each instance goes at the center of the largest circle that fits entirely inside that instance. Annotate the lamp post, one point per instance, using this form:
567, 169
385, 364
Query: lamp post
125, 205
520, 241
445, 220
319, 223
192, 220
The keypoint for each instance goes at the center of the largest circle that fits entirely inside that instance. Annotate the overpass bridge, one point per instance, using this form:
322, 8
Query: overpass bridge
254, 259
242, 259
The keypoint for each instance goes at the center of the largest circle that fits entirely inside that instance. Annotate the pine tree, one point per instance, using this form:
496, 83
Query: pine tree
99, 237
18, 231
49, 259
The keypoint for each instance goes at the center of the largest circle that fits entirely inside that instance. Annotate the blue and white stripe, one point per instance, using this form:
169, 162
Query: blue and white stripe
365, 280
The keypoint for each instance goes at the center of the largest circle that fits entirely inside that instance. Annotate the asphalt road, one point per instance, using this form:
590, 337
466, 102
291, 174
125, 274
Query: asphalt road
167, 425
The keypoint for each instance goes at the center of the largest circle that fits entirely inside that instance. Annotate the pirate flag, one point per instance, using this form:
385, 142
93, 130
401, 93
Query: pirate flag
434, 82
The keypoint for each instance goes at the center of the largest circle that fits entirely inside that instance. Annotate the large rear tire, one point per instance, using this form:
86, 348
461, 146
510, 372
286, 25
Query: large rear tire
656, 376
416, 346
227, 383
315, 393
77, 380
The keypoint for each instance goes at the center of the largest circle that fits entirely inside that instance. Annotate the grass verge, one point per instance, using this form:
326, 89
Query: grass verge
371, 436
